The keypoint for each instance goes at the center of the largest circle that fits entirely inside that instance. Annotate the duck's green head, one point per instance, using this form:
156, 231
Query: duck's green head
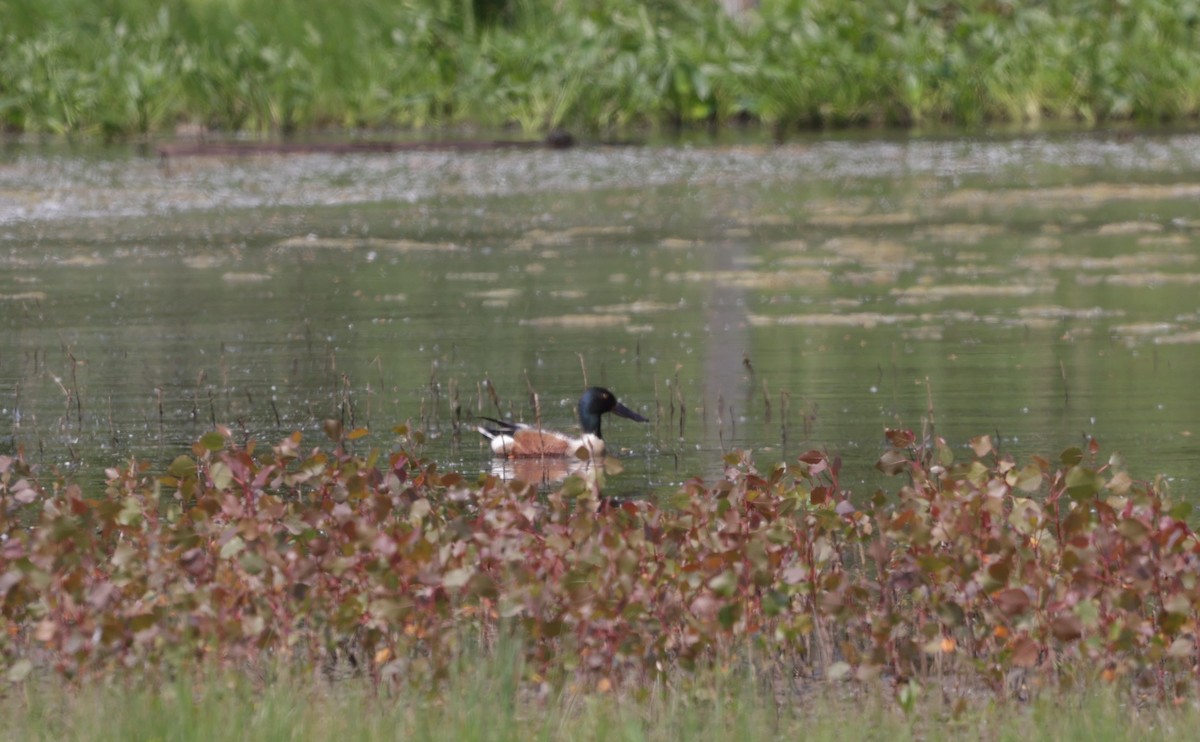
595, 402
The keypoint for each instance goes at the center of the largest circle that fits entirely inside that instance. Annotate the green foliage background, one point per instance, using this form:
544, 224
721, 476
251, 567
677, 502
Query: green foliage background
126, 67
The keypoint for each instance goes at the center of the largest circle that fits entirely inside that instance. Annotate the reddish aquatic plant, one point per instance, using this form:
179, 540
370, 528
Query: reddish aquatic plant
971, 572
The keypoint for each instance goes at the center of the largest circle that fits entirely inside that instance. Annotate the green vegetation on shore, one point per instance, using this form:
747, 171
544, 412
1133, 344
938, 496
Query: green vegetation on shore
480, 702
131, 67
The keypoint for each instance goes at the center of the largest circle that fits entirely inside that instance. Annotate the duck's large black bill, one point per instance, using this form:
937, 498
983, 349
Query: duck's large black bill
624, 411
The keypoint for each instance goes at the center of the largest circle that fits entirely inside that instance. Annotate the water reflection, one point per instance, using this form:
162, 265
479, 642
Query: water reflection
548, 472
1038, 290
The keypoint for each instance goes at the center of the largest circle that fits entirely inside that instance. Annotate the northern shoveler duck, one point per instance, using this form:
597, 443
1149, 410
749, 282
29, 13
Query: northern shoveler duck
518, 440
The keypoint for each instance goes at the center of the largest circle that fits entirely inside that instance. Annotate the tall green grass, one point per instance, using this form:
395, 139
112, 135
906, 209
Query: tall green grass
123, 67
482, 701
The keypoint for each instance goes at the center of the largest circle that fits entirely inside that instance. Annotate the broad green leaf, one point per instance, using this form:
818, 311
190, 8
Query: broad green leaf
418, 510
1071, 456
977, 473
1182, 648
723, 584
389, 609
182, 466
729, 615
253, 625
221, 475
131, 511
1083, 483
1088, 612
213, 441
252, 563
232, 547
122, 555
1133, 530
482, 585
1026, 516
1029, 479
1171, 622
574, 486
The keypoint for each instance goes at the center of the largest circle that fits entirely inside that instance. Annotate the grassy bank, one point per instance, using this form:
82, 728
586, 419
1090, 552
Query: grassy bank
480, 702
129, 67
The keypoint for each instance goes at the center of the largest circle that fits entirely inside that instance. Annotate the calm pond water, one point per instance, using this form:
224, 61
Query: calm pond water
1038, 289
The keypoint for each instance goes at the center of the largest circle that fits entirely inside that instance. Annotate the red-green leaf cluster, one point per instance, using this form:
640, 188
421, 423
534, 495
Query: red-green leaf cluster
971, 572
